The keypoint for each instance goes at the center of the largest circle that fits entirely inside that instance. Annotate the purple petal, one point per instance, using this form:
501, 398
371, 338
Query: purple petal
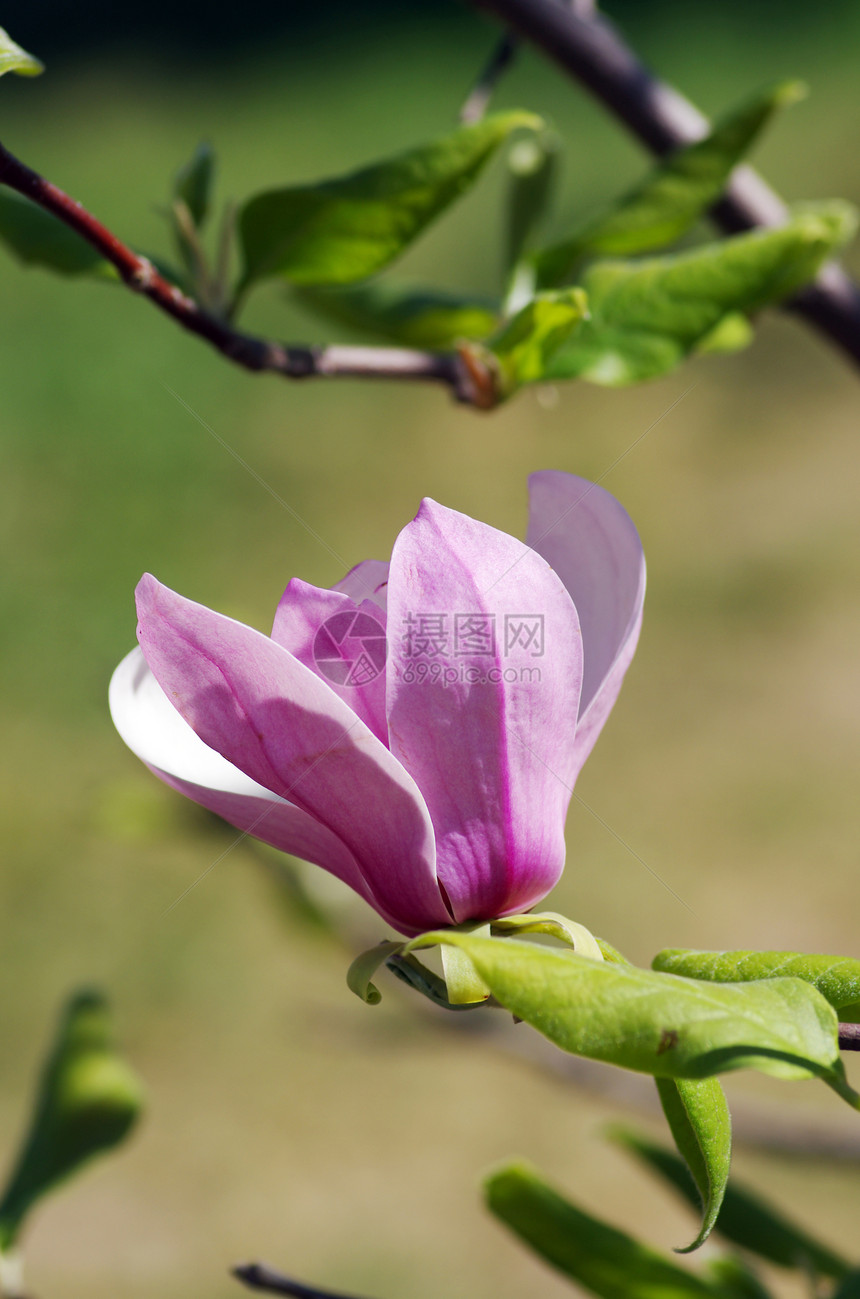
493, 758
367, 581
590, 541
276, 721
342, 642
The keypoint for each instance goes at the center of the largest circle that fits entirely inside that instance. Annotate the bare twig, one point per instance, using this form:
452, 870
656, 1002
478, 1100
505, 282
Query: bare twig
849, 1037
259, 1276
292, 362
479, 96
588, 47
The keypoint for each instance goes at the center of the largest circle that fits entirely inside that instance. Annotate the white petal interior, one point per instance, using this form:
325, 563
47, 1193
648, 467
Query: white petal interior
154, 730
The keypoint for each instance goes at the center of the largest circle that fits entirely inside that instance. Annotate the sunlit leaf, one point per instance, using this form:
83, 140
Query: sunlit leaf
837, 978
550, 923
413, 317
657, 1023
14, 59
605, 1261
524, 347
731, 334
39, 239
88, 1101
341, 230
745, 1219
646, 316
699, 1120
674, 195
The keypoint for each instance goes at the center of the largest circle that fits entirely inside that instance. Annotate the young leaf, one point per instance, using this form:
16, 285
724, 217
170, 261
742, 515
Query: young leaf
699, 1120
672, 197
646, 316
532, 164
524, 347
605, 1261
837, 978
341, 230
88, 1101
657, 1023
413, 317
14, 59
194, 181
554, 925
39, 239
735, 1278
363, 968
745, 1219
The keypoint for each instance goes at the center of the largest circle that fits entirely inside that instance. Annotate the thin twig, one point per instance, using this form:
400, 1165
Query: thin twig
292, 362
849, 1037
481, 93
591, 50
259, 1276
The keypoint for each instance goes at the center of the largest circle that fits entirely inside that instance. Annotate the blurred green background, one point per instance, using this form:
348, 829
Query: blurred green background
286, 1120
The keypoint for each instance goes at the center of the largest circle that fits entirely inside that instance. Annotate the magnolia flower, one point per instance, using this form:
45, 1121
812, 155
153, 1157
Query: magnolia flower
416, 730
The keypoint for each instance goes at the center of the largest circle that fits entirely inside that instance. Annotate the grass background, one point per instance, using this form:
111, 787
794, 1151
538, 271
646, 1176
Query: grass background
286, 1120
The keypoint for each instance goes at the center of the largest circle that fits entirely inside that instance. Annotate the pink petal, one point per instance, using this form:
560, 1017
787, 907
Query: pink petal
494, 759
276, 721
342, 642
367, 581
590, 541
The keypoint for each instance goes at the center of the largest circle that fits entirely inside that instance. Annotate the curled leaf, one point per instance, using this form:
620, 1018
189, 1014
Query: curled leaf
88, 1101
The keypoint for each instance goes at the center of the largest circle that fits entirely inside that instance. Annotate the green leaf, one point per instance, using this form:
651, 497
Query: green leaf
746, 1219
88, 1101
735, 1278
604, 1260
345, 229
731, 334
837, 978
532, 166
39, 239
657, 1023
363, 968
646, 316
525, 346
14, 59
413, 317
553, 925
699, 1120
464, 986
194, 181
673, 196
849, 1287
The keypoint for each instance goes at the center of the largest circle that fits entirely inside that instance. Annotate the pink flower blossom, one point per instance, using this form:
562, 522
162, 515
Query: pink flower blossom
433, 780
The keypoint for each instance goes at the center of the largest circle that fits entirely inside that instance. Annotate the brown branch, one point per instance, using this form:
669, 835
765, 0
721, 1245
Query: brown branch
481, 93
292, 362
259, 1276
592, 51
849, 1037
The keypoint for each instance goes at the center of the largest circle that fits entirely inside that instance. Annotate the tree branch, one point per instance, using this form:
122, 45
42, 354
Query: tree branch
292, 362
481, 93
591, 50
849, 1037
259, 1276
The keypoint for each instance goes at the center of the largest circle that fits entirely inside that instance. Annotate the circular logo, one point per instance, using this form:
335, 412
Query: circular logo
349, 648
